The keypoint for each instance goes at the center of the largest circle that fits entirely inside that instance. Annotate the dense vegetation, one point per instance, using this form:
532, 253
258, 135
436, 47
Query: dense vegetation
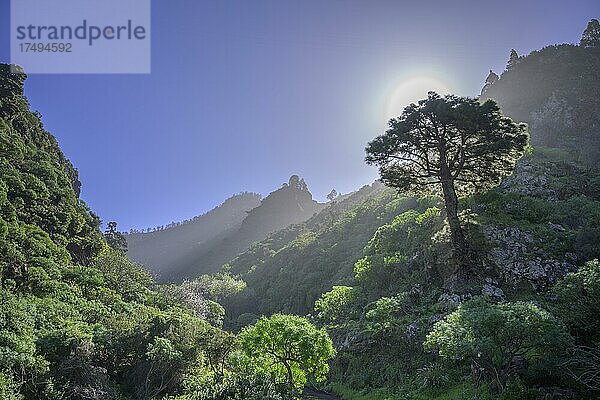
522, 326
78, 320
289, 270
554, 90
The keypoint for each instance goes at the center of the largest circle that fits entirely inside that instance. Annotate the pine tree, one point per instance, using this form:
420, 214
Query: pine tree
449, 145
591, 35
513, 60
114, 238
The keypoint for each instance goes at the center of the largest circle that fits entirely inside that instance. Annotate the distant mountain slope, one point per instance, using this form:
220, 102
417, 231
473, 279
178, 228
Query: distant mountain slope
161, 249
288, 205
556, 91
205, 244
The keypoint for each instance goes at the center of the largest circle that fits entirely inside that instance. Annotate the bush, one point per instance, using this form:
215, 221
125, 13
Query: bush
335, 306
578, 305
234, 387
9, 390
498, 340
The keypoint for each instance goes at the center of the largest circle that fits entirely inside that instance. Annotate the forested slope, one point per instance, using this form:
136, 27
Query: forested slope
202, 246
77, 319
290, 204
289, 270
555, 90
160, 249
375, 270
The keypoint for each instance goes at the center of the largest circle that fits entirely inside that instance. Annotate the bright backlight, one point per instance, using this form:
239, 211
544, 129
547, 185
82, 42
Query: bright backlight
409, 91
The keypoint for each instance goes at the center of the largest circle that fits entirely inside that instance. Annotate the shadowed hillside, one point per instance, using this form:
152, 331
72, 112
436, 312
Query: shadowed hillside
556, 91
161, 249
77, 319
291, 204
205, 244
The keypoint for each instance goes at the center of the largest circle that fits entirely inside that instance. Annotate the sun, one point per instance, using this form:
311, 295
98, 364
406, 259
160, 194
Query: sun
410, 90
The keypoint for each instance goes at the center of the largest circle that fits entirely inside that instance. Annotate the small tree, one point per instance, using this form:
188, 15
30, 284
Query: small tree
513, 60
335, 306
496, 337
591, 35
114, 238
288, 347
449, 143
218, 346
577, 304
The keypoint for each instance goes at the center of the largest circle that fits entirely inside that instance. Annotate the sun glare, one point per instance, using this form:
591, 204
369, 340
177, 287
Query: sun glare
411, 90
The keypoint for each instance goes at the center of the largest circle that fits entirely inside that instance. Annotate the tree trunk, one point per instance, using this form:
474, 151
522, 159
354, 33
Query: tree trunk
290, 376
459, 242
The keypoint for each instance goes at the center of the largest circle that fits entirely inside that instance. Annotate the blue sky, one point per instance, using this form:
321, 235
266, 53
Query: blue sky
243, 94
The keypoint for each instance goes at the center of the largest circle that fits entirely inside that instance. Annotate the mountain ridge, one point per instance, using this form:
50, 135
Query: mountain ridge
159, 249
179, 252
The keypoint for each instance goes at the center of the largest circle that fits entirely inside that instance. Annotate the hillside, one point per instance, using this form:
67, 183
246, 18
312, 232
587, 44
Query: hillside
288, 270
77, 319
555, 90
285, 259
531, 234
378, 303
161, 249
386, 258
290, 204
540, 225
204, 244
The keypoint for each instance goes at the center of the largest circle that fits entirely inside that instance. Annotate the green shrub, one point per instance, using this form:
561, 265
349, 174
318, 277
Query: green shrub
336, 305
288, 348
578, 304
494, 337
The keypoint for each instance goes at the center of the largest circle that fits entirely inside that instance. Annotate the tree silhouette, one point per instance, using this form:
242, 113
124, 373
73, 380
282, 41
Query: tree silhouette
513, 60
114, 238
489, 81
296, 183
449, 143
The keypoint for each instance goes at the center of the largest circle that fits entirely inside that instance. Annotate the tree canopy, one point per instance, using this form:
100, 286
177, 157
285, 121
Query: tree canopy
453, 143
114, 238
289, 347
494, 337
513, 60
